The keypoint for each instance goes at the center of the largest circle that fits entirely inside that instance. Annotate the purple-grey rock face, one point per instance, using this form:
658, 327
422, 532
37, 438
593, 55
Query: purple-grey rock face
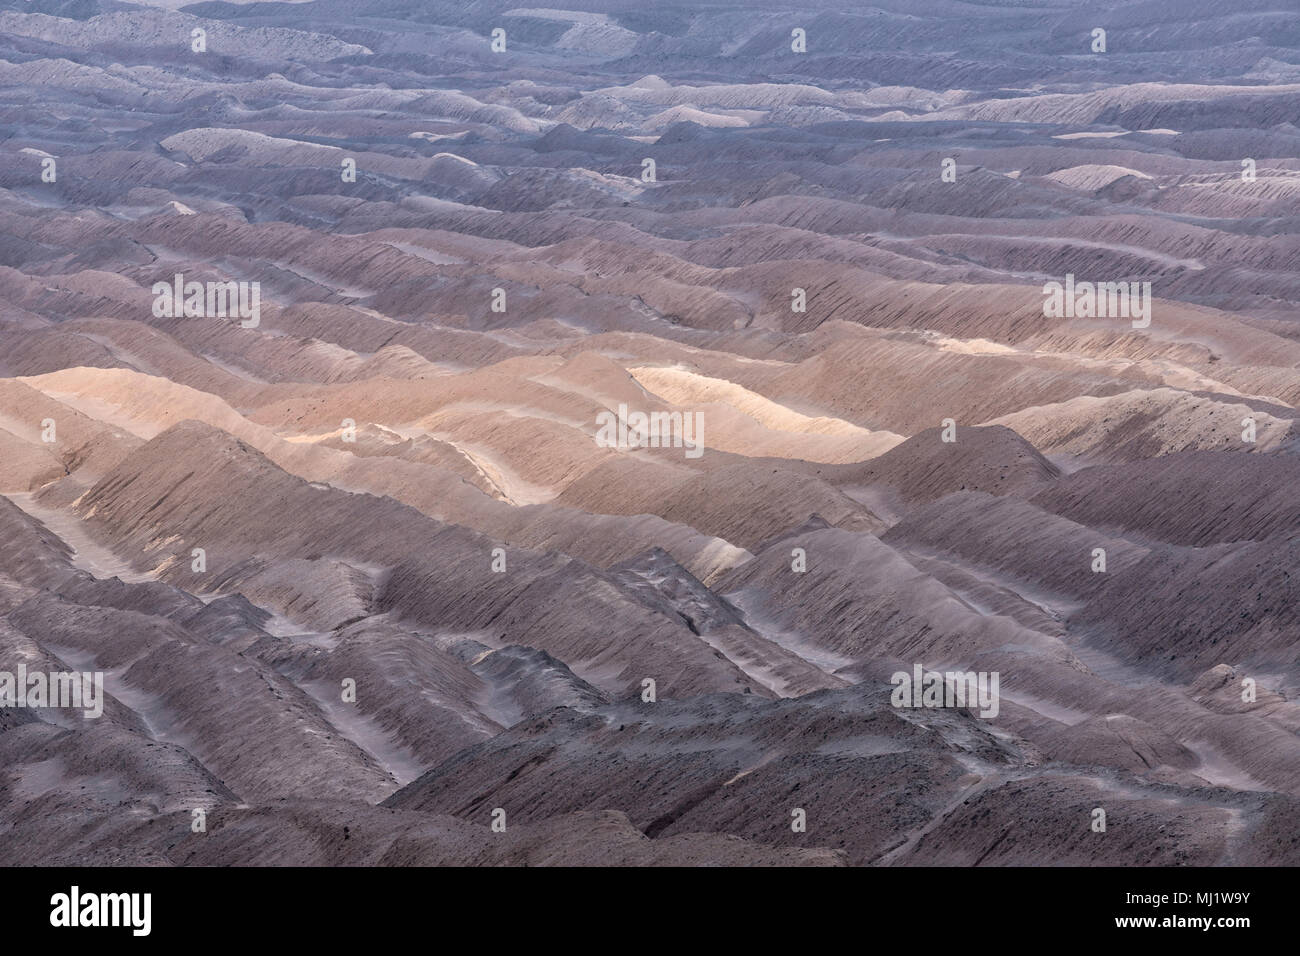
743, 433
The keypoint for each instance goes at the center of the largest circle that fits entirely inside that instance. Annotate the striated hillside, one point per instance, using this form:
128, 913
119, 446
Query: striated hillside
470, 434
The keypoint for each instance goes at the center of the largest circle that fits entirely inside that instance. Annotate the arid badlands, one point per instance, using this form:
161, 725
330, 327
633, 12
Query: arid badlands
454, 433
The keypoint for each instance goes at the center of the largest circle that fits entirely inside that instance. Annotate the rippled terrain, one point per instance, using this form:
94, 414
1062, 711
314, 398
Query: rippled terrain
456, 433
